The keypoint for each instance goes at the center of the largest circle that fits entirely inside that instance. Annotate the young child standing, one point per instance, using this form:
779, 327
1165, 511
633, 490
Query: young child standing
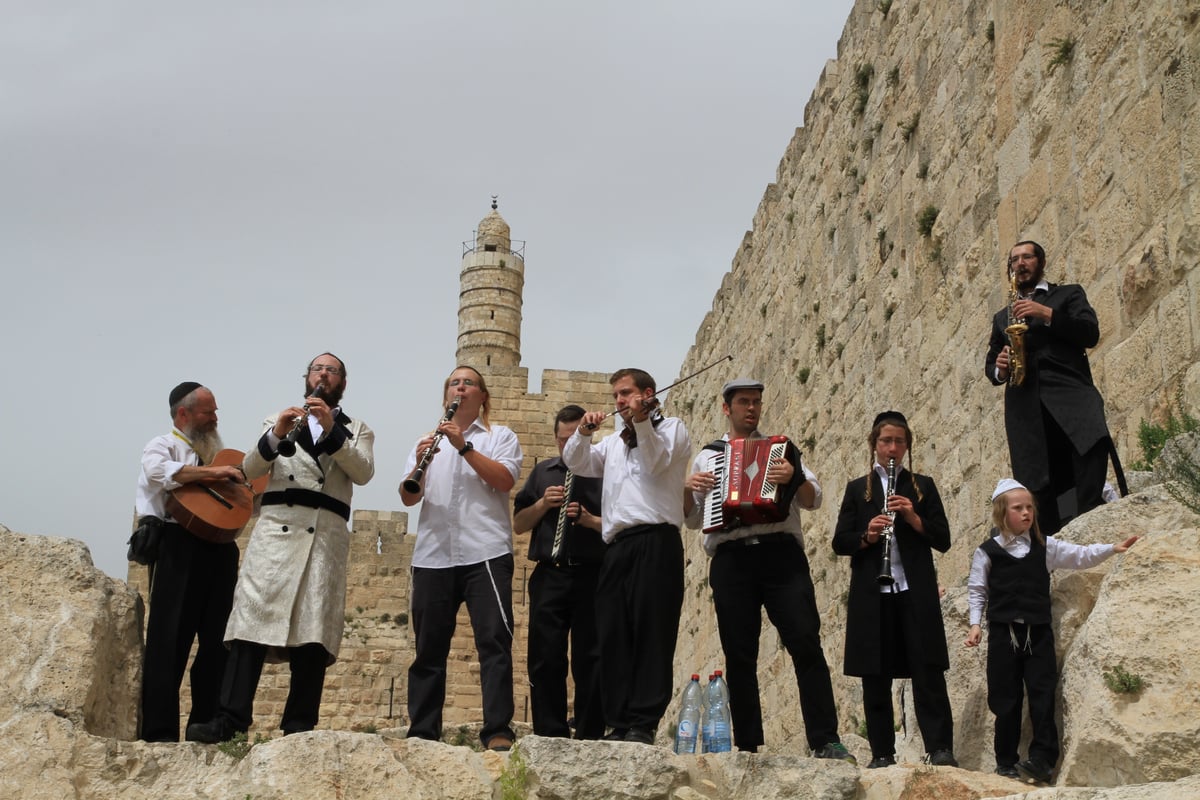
1010, 575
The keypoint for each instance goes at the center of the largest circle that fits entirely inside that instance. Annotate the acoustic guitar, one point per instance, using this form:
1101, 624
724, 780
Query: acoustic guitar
216, 512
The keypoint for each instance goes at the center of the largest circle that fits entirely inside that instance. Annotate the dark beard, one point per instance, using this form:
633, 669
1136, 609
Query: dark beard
332, 397
1027, 286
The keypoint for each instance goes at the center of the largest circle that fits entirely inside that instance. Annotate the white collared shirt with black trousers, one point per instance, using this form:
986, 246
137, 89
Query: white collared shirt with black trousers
1011, 577
562, 606
639, 595
463, 554
190, 597
764, 566
290, 603
896, 631
1058, 440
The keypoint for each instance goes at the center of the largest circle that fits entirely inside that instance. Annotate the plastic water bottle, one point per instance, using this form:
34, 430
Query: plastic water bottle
717, 738
724, 686
690, 708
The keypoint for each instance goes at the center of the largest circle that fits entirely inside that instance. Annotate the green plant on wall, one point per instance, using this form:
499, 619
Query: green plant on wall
925, 219
1179, 466
514, 780
1121, 681
1062, 51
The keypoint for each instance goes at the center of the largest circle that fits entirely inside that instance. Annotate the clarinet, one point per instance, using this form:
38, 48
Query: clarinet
560, 528
885, 573
412, 484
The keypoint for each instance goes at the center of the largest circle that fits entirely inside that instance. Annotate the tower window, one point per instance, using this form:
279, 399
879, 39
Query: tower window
493, 315
489, 361
489, 248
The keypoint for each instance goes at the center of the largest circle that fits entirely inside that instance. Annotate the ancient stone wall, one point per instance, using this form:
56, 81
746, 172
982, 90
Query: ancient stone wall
944, 132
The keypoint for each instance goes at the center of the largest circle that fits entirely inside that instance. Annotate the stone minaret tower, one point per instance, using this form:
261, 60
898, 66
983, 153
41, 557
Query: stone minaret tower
489, 296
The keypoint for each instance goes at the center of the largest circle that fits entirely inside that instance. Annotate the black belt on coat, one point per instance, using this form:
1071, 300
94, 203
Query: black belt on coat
307, 498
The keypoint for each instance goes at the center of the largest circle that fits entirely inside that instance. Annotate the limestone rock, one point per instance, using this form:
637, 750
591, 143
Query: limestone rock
73, 636
1144, 621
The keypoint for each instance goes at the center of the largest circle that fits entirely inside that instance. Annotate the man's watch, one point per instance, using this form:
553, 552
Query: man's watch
466, 448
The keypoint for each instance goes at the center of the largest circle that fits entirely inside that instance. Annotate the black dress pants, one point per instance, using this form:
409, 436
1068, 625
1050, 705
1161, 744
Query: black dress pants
1017, 655
562, 607
486, 588
775, 575
638, 601
1076, 479
190, 599
902, 658
301, 712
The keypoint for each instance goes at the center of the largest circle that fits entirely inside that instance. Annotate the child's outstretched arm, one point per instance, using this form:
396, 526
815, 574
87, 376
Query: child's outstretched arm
1125, 545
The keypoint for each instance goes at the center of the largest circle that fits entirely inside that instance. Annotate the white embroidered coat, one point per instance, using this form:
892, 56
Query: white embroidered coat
291, 587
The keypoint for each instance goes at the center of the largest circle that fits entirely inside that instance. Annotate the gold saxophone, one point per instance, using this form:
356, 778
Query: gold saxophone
1016, 337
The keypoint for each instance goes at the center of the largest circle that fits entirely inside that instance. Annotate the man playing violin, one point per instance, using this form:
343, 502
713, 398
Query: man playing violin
191, 587
291, 592
639, 594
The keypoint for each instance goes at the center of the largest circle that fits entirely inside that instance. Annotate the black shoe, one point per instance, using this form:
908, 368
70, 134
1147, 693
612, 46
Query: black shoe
640, 735
500, 743
1008, 771
941, 758
836, 751
215, 730
616, 735
882, 761
1033, 770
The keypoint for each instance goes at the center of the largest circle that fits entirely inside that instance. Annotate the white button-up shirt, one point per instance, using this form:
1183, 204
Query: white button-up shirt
642, 485
162, 459
464, 521
1059, 555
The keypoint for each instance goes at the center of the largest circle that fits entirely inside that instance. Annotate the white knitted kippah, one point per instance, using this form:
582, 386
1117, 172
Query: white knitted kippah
1006, 485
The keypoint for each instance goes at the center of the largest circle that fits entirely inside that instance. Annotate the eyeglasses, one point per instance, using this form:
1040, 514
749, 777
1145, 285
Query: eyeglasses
325, 368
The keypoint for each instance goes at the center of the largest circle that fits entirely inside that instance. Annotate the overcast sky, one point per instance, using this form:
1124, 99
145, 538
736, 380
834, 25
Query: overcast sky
219, 191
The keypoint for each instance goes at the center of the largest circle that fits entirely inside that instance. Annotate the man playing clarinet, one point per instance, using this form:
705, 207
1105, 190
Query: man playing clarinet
290, 601
763, 565
567, 547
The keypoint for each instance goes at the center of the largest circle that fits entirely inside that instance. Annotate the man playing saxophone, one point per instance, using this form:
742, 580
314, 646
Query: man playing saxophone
1058, 440
567, 547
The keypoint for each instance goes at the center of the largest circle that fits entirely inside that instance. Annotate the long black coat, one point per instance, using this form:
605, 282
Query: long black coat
1057, 377
863, 634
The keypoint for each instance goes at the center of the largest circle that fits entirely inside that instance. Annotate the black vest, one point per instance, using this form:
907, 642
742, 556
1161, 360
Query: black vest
1018, 588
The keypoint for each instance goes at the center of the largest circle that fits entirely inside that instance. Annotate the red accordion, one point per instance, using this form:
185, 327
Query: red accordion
742, 494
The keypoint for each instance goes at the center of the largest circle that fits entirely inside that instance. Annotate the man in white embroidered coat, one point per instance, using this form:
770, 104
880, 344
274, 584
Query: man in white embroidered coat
291, 593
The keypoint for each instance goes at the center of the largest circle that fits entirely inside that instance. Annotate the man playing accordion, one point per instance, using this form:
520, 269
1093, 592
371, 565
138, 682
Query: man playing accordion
761, 565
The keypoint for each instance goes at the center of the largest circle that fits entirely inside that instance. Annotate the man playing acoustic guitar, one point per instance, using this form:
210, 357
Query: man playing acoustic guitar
191, 590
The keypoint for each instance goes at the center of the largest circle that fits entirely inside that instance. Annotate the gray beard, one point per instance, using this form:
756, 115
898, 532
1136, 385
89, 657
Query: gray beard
207, 445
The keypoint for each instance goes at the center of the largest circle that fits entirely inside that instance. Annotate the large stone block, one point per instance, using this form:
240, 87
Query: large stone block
73, 642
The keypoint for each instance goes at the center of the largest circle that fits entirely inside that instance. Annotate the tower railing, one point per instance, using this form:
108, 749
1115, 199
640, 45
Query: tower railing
516, 248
